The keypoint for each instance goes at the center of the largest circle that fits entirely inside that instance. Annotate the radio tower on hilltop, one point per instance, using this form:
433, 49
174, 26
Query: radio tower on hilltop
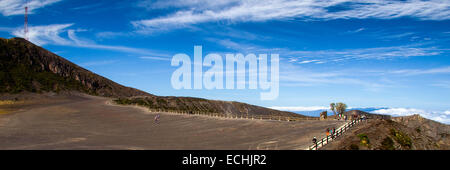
25, 30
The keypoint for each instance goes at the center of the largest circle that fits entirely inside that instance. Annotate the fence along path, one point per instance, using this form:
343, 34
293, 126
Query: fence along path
242, 116
339, 131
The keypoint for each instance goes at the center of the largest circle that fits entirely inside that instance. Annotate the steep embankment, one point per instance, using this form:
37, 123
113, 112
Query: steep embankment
28, 67
400, 133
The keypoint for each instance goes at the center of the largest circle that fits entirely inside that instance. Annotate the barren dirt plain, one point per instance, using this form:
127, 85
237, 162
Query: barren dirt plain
51, 121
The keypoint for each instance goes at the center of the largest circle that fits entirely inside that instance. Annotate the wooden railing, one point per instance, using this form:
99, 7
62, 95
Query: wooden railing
243, 116
331, 137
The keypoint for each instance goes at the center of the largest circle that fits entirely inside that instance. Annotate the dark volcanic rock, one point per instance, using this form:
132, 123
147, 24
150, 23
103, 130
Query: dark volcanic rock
27, 67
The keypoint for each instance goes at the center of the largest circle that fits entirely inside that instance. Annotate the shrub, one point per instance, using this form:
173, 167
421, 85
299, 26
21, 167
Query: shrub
364, 140
402, 138
387, 144
418, 130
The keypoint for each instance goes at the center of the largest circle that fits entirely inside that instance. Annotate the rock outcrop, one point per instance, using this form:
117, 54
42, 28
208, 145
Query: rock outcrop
398, 133
28, 67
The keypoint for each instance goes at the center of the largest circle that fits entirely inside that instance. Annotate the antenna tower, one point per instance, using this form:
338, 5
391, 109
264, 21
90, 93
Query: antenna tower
26, 21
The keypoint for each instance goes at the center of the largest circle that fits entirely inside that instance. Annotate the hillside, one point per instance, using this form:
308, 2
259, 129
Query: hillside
399, 133
28, 67
202, 106
25, 67
351, 113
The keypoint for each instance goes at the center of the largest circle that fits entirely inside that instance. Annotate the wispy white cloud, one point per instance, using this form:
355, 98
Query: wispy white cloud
88, 6
52, 34
300, 78
198, 4
242, 47
111, 35
378, 53
202, 11
442, 84
358, 30
333, 56
410, 72
370, 80
46, 34
309, 61
229, 32
87, 44
397, 36
155, 58
17, 7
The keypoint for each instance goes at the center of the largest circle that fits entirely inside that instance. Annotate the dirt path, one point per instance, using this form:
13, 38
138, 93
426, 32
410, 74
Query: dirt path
90, 123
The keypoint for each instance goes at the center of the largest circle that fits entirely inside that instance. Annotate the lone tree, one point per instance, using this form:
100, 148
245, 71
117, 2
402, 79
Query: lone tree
333, 108
340, 108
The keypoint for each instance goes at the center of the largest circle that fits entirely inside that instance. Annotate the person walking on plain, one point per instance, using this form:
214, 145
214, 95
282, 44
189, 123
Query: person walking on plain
157, 118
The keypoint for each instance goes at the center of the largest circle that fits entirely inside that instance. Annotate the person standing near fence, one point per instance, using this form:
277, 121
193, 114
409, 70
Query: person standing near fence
333, 133
328, 132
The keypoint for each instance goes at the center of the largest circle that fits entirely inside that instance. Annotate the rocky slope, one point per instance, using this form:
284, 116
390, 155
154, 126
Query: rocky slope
351, 113
28, 67
25, 67
398, 133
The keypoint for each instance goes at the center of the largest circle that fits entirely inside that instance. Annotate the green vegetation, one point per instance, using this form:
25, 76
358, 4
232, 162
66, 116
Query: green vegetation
418, 130
403, 139
20, 72
191, 105
364, 140
23, 78
338, 108
333, 108
387, 144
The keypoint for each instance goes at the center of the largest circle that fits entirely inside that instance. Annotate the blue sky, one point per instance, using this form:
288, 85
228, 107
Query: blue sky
369, 53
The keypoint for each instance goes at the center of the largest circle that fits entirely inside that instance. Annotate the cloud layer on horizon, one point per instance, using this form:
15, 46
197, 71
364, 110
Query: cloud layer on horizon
443, 117
440, 116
